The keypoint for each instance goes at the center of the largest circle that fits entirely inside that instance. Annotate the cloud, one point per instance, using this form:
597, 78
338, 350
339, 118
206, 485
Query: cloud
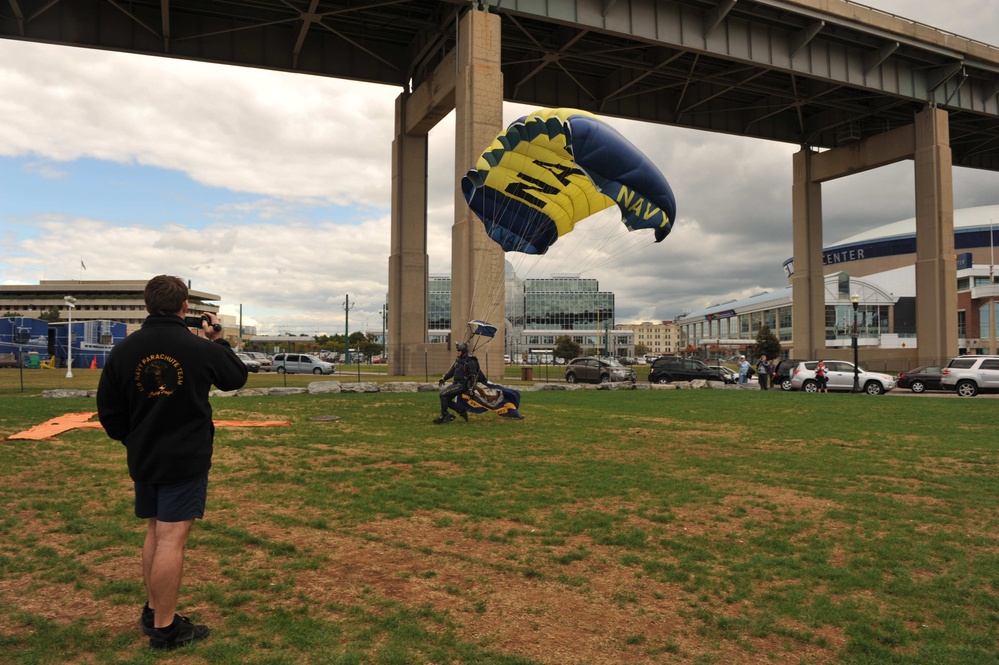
247, 130
289, 277
45, 169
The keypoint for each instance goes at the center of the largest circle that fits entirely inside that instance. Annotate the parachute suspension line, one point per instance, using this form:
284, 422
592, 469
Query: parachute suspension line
616, 244
478, 274
631, 243
590, 240
568, 255
498, 210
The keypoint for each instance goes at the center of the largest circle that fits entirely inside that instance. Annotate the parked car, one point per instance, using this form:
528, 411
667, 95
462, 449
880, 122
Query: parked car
262, 358
782, 373
251, 364
301, 363
921, 379
671, 368
729, 374
597, 370
969, 375
840, 377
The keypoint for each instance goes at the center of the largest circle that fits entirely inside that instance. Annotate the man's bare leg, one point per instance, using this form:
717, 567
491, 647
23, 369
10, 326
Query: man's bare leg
163, 566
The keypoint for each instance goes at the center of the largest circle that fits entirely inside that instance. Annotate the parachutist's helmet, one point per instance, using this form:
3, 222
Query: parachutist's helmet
461, 348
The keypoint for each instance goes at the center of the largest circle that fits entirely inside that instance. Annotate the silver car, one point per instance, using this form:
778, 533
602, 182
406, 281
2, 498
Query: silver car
597, 370
729, 374
969, 375
301, 363
262, 358
251, 364
839, 375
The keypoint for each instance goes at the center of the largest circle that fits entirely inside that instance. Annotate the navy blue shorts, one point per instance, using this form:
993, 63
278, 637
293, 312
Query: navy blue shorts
177, 502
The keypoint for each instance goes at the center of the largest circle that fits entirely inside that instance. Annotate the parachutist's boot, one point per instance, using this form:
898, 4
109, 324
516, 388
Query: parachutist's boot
443, 418
464, 415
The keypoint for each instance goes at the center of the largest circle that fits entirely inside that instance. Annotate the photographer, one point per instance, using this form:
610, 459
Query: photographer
153, 397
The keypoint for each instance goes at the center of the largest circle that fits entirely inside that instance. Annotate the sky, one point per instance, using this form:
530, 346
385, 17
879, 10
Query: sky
272, 189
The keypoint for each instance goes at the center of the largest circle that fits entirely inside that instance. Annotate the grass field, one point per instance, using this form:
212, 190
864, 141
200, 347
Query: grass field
693, 527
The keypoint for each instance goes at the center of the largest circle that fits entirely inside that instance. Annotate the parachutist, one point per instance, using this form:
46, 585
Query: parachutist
466, 373
471, 392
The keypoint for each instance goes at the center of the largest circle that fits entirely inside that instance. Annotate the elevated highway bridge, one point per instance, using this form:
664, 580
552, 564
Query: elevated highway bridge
856, 88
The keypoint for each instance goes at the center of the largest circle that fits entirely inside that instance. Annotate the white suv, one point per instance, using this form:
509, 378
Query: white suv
969, 375
840, 377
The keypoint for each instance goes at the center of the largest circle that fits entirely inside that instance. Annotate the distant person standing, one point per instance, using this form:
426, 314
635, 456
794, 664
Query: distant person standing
744, 370
153, 397
762, 370
772, 373
822, 377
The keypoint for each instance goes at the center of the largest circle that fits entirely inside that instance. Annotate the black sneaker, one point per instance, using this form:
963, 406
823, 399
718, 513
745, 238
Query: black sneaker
464, 415
443, 418
181, 633
146, 620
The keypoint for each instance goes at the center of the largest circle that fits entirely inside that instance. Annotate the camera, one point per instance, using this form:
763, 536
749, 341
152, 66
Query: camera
195, 322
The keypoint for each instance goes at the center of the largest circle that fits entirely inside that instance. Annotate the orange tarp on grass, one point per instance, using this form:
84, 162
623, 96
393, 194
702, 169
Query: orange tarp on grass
57, 426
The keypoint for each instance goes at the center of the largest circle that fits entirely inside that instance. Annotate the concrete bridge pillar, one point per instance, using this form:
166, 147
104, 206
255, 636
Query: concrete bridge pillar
470, 81
927, 142
478, 289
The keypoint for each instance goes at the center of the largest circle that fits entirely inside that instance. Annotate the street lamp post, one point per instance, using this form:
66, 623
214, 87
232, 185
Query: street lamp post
347, 306
855, 299
71, 303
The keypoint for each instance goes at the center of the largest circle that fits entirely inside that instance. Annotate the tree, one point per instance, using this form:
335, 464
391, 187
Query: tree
566, 349
10, 315
369, 347
51, 314
641, 349
767, 344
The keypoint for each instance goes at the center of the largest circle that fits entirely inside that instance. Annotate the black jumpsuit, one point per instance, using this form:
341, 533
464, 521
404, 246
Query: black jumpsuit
465, 371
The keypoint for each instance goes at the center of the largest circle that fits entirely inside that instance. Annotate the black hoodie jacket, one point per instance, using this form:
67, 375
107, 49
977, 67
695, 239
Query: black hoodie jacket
153, 397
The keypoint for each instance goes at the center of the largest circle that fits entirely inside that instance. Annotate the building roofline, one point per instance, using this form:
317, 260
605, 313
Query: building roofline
76, 286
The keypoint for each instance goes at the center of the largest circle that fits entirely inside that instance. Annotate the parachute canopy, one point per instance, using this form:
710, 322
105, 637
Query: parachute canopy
555, 167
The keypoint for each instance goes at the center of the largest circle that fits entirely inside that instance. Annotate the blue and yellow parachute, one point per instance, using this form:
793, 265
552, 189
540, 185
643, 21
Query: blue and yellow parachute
555, 167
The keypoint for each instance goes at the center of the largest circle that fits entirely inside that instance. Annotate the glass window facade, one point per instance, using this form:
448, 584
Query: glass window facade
439, 303
872, 321
568, 311
556, 305
985, 319
784, 324
566, 304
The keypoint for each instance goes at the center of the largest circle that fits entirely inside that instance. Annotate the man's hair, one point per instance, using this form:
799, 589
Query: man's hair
165, 295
